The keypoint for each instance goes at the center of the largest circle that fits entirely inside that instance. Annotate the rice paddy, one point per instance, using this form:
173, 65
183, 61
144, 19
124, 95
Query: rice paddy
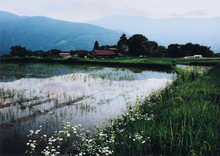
45, 95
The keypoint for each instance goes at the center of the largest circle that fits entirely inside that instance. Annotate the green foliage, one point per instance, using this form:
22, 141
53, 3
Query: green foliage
189, 49
123, 44
19, 51
96, 45
185, 118
54, 52
137, 45
80, 53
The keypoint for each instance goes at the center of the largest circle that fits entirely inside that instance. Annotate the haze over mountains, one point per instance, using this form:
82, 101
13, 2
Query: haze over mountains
41, 33
203, 31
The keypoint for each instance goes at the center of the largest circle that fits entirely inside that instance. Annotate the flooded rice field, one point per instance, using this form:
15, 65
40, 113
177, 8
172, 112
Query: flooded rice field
34, 95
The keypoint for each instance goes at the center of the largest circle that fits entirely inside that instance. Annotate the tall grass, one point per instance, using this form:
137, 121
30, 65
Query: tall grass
182, 119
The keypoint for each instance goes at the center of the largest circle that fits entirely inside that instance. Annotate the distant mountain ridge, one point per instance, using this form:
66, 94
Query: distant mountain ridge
203, 31
42, 33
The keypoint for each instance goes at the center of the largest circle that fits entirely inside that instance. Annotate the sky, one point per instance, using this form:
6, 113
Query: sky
86, 10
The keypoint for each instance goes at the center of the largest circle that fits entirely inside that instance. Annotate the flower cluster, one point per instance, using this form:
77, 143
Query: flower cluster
102, 144
51, 145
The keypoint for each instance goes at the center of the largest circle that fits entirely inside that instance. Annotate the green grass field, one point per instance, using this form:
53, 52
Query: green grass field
144, 63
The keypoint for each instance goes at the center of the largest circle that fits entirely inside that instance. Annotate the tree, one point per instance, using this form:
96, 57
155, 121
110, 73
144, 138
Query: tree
107, 46
122, 44
96, 45
205, 51
54, 52
137, 45
80, 53
188, 49
40, 53
152, 48
173, 50
161, 52
19, 51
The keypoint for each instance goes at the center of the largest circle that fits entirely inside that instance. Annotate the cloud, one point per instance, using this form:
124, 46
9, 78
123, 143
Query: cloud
132, 12
197, 13
84, 10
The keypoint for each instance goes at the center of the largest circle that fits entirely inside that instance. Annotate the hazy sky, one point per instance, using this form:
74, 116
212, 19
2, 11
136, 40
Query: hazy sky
84, 10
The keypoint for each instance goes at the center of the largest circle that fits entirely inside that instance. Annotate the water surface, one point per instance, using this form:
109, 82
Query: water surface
81, 95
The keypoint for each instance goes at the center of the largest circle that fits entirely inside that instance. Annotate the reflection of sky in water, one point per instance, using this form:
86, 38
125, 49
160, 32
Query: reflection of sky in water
104, 98
11, 72
126, 74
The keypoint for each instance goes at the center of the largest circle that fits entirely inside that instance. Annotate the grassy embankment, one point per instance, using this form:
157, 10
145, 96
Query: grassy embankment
182, 119
140, 63
207, 61
146, 63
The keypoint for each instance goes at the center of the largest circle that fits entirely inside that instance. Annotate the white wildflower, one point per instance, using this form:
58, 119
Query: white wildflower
53, 150
47, 153
37, 132
32, 145
68, 134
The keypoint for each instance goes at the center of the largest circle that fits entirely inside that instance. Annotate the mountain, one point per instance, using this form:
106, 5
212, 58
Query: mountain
42, 33
203, 31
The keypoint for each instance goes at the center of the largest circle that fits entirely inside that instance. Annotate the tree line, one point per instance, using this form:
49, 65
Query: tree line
139, 45
23, 52
136, 46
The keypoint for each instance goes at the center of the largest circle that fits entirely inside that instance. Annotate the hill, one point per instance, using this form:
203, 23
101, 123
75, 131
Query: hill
203, 31
42, 33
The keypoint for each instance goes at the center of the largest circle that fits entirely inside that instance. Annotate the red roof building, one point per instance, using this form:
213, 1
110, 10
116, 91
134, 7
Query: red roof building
113, 49
104, 53
65, 55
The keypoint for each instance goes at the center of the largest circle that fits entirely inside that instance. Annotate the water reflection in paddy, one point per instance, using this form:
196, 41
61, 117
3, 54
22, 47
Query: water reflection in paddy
86, 97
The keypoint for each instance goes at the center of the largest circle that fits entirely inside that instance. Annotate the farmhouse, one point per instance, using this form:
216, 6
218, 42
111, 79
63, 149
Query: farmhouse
65, 55
104, 53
